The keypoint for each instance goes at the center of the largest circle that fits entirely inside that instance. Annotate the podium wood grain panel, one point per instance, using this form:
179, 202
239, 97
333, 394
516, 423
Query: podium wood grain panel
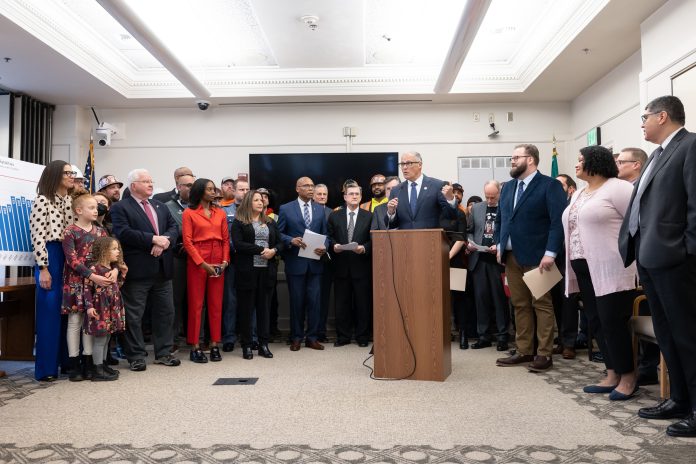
411, 302
17, 318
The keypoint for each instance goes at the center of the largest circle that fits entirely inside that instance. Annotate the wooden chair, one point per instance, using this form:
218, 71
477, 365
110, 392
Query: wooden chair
642, 328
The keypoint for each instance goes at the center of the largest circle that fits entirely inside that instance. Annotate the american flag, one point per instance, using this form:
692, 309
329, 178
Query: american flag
90, 183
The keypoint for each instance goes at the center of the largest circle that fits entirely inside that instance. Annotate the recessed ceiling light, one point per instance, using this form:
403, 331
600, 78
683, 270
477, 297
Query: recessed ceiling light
125, 37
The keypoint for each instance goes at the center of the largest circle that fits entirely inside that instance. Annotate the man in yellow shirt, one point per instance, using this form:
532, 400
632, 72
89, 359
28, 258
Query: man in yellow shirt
378, 193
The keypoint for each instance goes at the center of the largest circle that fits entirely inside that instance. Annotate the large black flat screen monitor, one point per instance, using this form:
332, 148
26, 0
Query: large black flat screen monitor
279, 172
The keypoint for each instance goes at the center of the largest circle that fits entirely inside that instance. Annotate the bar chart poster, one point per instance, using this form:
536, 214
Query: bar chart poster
18, 181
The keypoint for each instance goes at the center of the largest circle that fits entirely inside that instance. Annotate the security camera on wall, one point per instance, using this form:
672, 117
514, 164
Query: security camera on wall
104, 133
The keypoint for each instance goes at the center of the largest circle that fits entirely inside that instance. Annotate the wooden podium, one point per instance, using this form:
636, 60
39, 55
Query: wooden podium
411, 302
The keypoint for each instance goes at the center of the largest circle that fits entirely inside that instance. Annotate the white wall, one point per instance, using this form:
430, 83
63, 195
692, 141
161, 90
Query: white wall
668, 46
216, 143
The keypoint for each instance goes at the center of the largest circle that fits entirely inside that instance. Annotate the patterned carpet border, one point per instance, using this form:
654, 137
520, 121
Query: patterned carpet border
652, 445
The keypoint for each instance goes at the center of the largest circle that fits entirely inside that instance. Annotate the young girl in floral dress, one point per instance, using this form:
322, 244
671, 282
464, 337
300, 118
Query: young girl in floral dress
104, 313
77, 246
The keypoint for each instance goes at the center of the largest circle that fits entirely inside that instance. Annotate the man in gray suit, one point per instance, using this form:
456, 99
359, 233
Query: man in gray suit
659, 232
486, 272
420, 201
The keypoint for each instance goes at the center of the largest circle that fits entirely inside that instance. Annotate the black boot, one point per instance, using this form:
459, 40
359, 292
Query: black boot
109, 370
75, 373
463, 340
100, 375
264, 351
247, 353
87, 367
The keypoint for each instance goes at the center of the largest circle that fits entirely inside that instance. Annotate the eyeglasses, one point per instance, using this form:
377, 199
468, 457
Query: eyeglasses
408, 164
70, 173
186, 185
353, 194
516, 157
644, 117
620, 162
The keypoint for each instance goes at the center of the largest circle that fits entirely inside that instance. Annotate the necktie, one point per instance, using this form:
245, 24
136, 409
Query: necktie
633, 219
520, 191
305, 215
351, 227
414, 198
149, 215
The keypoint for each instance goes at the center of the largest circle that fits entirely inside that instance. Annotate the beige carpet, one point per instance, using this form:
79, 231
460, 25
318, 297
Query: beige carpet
327, 400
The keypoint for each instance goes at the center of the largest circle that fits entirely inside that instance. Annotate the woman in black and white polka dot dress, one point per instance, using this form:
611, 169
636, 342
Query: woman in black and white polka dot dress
51, 213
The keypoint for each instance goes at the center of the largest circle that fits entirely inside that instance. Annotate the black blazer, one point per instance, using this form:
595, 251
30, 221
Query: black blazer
133, 229
347, 263
243, 237
166, 196
667, 208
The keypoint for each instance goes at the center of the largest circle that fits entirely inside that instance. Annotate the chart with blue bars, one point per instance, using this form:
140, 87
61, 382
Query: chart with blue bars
14, 224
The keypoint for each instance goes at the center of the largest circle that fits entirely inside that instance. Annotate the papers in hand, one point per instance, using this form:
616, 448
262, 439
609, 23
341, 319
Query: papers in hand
352, 246
457, 279
313, 241
539, 283
481, 248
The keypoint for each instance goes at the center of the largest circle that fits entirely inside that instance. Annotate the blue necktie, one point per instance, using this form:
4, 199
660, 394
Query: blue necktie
520, 191
414, 198
307, 219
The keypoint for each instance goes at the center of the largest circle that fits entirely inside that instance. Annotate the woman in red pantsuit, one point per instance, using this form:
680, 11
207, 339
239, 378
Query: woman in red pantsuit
207, 244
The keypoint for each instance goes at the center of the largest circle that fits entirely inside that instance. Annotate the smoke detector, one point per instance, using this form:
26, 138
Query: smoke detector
311, 21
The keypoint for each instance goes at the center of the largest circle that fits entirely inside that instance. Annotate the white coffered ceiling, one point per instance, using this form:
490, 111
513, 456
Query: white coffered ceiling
237, 51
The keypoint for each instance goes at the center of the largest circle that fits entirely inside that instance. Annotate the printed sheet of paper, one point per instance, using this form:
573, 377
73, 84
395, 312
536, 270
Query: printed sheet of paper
457, 279
540, 283
349, 246
313, 241
481, 248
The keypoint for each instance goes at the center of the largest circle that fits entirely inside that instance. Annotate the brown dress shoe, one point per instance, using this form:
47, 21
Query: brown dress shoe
558, 349
315, 345
514, 360
541, 364
295, 345
568, 353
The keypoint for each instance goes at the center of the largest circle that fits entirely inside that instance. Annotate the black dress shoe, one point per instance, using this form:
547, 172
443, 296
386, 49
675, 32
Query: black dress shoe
255, 346
322, 339
247, 353
668, 409
363, 344
463, 340
502, 346
341, 342
227, 347
264, 351
481, 343
684, 428
215, 355
198, 356
647, 379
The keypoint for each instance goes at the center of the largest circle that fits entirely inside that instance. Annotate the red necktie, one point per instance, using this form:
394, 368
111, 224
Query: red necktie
148, 211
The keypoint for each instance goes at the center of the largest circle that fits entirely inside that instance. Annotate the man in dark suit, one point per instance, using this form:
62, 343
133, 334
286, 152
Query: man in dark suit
303, 274
529, 235
380, 211
420, 201
351, 268
146, 230
659, 232
486, 271
321, 197
164, 197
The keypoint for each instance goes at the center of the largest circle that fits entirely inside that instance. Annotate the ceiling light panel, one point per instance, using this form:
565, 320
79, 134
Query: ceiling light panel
208, 34
417, 32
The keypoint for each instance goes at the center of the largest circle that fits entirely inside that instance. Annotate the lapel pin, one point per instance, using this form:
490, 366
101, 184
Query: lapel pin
425, 188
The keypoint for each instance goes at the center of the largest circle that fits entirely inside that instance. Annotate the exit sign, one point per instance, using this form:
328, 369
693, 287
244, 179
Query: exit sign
594, 136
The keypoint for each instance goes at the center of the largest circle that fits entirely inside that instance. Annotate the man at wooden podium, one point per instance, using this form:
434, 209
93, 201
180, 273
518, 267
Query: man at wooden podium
420, 201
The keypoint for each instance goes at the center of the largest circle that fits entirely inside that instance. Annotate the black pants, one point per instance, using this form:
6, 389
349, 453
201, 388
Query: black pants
136, 294
608, 317
353, 308
671, 294
250, 300
490, 299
